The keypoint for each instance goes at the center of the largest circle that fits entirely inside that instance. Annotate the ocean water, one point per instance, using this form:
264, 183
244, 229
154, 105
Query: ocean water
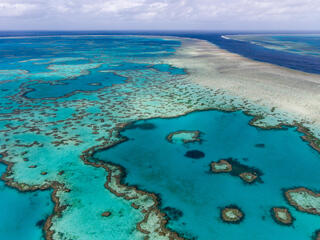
23, 214
187, 185
63, 95
54, 91
297, 44
298, 52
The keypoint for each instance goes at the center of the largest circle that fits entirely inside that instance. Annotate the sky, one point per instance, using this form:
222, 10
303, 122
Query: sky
160, 15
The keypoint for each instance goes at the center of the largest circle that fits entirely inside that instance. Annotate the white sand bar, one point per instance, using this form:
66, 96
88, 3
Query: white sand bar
264, 84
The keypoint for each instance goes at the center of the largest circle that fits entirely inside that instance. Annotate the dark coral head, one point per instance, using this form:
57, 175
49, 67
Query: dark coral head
40, 223
196, 154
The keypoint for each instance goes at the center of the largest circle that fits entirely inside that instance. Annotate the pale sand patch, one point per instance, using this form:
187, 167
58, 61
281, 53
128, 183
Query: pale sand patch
264, 84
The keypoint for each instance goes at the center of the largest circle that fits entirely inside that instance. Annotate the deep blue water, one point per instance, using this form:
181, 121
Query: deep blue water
310, 64
306, 63
301, 44
225, 135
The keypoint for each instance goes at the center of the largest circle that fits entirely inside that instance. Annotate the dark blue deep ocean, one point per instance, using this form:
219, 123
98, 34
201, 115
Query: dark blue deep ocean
310, 64
284, 159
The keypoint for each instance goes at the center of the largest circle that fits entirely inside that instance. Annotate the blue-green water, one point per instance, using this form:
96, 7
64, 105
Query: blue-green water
92, 82
155, 165
63, 95
23, 214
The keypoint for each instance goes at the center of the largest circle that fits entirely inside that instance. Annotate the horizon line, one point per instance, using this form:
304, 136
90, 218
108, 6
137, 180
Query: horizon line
159, 30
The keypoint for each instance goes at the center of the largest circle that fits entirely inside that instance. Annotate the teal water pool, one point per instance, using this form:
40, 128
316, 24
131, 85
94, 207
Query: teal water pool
192, 195
63, 98
23, 214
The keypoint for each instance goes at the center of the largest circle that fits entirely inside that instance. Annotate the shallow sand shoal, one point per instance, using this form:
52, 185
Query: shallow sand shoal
287, 90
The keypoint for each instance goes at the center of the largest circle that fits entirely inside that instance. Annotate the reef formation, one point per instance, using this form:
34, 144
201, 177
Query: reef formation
184, 136
235, 168
304, 200
282, 215
232, 214
59, 109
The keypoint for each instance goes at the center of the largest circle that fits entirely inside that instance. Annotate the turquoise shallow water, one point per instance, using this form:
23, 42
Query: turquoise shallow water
155, 165
91, 82
23, 214
60, 96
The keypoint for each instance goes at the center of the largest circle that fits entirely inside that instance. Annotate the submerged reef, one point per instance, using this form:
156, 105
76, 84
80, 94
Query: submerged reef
222, 166
232, 214
282, 215
195, 154
184, 136
237, 169
58, 111
106, 214
55, 112
173, 213
144, 126
185, 184
304, 200
316, 235
248, 177
154, 221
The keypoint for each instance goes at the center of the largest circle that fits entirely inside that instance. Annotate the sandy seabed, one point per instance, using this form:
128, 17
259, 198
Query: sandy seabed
264, 84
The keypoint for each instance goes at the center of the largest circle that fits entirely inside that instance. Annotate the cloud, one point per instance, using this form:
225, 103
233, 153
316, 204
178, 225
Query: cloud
210, 14
9, 9
111, 6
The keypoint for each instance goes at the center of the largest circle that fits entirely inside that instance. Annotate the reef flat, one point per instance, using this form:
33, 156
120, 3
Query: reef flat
51, 113
184, 136
232, 214
64, 101
304, 200
222, 166
282, 216
282, 95
237, 169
